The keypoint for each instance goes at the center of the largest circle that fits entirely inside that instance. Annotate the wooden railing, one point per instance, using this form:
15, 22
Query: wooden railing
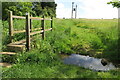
28, 29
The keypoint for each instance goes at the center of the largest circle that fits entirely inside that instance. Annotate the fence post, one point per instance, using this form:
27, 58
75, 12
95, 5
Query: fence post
51, 23
31, 24
43, 28
28, 31
11, 26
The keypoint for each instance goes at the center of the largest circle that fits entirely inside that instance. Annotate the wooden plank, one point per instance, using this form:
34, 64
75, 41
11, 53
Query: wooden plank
37, 29
16, 48
28, 31
9, 53
43, 28
47, 19
5, 65
10, 26
48, 29
16, 45
19, 42
36, 18
21, 31
33, 33
19, 17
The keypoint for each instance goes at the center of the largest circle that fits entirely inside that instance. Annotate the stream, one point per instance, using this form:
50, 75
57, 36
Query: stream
88, 62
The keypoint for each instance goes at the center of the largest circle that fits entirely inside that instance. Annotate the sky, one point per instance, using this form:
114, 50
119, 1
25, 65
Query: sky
92, 9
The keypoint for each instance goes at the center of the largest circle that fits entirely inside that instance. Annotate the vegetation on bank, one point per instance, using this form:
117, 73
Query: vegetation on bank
94, 37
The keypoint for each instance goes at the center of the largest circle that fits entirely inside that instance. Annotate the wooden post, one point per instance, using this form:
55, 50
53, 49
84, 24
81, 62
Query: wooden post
31, 24
28, 32
43, 28
11, 26
51, 23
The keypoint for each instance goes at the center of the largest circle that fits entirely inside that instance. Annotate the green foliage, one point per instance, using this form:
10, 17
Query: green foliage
37, 56
34, 8
9, 58
37, 8
50, 8
18, 8
115, 3
45, 8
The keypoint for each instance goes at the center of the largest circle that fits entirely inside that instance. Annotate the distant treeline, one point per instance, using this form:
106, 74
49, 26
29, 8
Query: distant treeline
34, 8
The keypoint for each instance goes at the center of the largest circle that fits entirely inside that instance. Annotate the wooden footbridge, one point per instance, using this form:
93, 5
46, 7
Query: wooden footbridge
24, 45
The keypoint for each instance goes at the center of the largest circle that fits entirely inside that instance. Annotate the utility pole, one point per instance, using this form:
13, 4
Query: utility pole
76, 12
72, 9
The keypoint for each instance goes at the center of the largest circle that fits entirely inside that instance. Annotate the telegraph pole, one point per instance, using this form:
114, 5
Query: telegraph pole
76, 12
72, 9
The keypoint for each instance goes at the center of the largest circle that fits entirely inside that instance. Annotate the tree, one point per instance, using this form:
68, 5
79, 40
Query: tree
45, 8
18, 8
37, 8
50, 7
115, 3
34, 8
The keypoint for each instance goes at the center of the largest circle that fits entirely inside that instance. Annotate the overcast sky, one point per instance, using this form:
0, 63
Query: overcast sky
86, 9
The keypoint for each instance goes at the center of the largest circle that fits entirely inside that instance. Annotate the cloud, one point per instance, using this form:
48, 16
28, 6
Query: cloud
88, 9
62, 11
98, 9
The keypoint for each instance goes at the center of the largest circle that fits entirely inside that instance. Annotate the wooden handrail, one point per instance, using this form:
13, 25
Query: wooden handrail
47, 19
33, 33
36, 29
48, 29
22, 31
37, 18
20, 17
34, 18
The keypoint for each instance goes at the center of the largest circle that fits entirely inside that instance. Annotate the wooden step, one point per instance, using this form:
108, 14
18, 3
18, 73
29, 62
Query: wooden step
21, 42
8, 53
5, 65
18, 42
16, 48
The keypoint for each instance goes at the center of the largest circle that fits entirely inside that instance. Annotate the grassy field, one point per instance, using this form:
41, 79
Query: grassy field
93, 37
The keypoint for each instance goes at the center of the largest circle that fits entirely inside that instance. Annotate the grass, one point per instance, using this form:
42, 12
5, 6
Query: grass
92, 37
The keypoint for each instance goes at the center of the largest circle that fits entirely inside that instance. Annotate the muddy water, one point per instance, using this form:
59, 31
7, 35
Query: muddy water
87, 62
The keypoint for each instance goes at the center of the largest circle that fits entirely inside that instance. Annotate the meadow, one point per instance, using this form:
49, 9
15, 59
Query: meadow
93, 37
